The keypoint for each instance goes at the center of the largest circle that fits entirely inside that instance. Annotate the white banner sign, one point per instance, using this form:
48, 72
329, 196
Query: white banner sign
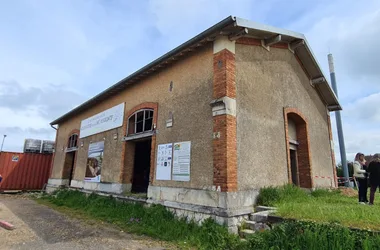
181, 161
106, 120
164, 162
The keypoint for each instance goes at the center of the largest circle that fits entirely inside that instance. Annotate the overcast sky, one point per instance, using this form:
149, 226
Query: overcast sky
56, 54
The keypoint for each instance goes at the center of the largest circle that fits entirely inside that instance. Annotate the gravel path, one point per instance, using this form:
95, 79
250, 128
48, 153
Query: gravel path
39, 227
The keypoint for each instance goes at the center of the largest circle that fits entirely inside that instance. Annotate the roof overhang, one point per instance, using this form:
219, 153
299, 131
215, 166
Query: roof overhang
298, 44
234, 28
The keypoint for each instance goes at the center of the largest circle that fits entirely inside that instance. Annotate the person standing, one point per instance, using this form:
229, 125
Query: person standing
360, 175
374, 176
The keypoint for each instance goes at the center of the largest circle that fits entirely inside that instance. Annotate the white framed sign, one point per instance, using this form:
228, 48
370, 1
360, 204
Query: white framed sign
181, 161
103, 121
164, 161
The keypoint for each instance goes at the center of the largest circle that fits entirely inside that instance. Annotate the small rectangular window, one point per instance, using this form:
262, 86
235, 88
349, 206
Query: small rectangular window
148, 114
148, 124
131, 124
139, 127
140, 116
75, 140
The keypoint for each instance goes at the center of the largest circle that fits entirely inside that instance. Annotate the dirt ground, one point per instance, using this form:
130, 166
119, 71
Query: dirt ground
39, 227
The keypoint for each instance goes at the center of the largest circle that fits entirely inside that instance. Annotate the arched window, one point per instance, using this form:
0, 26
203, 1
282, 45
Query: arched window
141, 121
73, 142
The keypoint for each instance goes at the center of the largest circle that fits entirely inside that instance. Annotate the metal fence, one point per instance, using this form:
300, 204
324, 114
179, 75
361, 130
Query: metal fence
24, 171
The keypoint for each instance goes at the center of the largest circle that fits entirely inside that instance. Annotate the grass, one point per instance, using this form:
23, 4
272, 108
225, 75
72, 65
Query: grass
154, 221
322, 206
313, 236
135, 195
157, 222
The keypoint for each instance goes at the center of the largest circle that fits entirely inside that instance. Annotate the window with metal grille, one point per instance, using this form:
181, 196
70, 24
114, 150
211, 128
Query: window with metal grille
73, 141
141, 121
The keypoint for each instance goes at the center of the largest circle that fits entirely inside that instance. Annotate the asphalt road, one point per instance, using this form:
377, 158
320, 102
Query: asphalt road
40, 227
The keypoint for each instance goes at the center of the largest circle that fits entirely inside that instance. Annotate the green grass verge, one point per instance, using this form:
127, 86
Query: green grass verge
157, 222
321, 206
154, 221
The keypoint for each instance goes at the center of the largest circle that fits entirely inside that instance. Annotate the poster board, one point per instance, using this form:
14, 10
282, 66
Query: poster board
181, 161
94, 161
164, 161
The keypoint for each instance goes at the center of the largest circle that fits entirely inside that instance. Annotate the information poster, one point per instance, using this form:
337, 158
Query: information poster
181, 161
94, 161
164, 161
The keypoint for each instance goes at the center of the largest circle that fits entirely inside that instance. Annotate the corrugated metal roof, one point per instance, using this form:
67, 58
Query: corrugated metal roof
229, 25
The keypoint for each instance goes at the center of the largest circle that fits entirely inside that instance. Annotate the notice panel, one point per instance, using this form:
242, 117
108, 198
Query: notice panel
181, 161
164, 161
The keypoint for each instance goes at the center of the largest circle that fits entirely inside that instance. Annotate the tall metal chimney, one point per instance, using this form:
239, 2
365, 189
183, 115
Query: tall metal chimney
342, 146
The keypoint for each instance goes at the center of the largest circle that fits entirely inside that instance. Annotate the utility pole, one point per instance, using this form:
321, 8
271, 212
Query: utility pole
2, 144
339, 127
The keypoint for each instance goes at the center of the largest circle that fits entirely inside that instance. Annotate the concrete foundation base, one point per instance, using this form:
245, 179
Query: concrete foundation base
114, 188
54, 184
232, 223
228, 209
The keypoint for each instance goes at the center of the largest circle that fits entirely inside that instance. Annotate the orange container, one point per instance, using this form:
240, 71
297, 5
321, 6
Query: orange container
24, 171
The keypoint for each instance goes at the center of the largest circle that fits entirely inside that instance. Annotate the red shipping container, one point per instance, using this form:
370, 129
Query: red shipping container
24, 171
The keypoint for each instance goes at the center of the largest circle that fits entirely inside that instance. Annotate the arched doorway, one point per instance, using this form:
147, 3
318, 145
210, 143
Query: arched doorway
298, 149
139, 146
70, 157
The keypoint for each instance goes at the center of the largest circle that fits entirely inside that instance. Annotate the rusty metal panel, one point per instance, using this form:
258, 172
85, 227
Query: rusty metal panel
24, 171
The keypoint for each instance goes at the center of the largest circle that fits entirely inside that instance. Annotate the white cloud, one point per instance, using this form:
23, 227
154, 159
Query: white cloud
366, 109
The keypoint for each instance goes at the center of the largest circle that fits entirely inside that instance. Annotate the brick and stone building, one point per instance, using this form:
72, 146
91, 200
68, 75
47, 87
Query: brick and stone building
251, 100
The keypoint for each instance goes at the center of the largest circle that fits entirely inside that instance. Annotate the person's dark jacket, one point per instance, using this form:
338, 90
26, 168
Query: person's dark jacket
374, 172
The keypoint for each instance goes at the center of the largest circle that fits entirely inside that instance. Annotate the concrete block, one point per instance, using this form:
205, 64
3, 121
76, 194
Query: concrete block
50, 189
274, 219
232, 221
233, 230
199, 217
264, 208
249, 225
184, 195
246, 232
259, 216
77, 184
58, 182
260, 227
220, 220
190, 216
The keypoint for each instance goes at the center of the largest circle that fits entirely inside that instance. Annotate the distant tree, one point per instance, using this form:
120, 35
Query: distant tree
368, 158
339, 169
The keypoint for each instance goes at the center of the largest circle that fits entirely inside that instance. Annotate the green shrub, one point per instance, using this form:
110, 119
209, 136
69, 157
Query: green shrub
292, 193
270, 196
